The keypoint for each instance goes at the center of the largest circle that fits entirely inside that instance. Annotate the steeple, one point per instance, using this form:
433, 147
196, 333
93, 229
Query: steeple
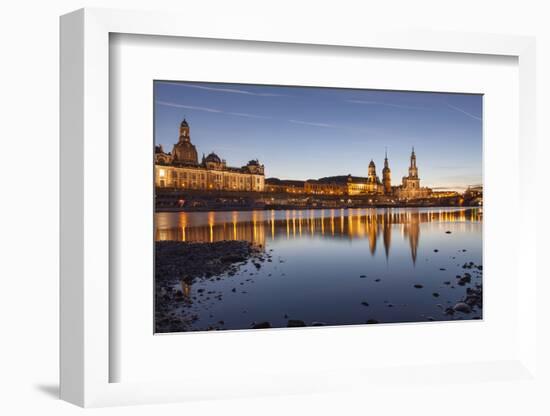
184, 132
184, 152
413, 170
372, 171
386, 174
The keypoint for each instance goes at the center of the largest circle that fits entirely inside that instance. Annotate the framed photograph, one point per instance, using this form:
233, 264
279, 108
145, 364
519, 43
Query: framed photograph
244, 215
302, 230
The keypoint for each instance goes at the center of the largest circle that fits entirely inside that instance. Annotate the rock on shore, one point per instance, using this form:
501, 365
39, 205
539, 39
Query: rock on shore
178, 262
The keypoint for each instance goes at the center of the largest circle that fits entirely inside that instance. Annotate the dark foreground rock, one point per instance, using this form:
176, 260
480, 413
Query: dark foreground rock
462, 307
178, 265
178, 260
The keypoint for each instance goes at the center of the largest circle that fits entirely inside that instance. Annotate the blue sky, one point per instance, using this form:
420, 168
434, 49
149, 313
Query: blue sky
306, 133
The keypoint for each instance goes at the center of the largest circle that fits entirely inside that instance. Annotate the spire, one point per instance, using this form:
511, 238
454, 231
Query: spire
413, 172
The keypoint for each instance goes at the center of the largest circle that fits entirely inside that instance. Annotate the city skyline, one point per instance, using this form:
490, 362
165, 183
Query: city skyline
307, 133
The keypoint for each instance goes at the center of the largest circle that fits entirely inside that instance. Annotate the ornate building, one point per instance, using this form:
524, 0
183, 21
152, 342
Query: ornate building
386, 175
181, 169
347, 185
410, 188
358, 185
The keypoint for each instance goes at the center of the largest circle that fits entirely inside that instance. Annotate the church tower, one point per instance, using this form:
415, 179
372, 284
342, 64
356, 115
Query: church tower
184, 132
386, 176
372, 171
184, 152
413, 171
411, 183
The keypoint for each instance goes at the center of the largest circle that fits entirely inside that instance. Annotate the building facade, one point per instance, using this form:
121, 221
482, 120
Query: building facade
371, 185
410, 187
386, 176
348, 185
181, 169
284, 186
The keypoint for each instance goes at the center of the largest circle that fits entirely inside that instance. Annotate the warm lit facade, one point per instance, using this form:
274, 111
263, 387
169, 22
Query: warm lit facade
347, 185
371, 185
410, 188
181, 169
284, 186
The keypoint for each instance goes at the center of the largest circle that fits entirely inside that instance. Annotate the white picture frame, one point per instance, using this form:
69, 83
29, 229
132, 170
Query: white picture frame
85, 212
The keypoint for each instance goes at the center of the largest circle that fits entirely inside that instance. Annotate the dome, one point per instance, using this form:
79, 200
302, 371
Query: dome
253, 162
213, 157
185, 152
371, 164
184, 123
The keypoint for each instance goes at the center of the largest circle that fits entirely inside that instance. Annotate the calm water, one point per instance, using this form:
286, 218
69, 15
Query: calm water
319, 256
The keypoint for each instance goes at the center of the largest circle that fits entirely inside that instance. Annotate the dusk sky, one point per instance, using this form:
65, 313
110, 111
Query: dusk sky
308, 133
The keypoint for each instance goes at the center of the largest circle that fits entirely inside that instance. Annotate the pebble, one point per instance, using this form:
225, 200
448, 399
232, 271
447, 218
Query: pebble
294, 323
462, 307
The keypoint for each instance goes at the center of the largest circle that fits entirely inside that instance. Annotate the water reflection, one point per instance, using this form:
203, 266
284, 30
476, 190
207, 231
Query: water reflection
259, 227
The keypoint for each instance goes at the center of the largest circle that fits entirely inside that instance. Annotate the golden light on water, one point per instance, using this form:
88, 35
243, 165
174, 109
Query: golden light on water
366, 223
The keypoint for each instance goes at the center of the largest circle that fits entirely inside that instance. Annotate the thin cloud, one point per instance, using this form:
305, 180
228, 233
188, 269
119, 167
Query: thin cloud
209, 110
368, 102
460, 110
227, 90
247, 115
189, 107
310, 123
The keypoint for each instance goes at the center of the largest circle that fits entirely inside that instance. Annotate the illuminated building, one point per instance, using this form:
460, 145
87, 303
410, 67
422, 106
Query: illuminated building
284, 186
386, 175
347, 185
181, 169
357, 185
474, 195
410, 188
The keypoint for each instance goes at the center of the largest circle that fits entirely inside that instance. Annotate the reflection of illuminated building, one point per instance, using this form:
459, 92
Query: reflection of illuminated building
259, 226
387, 235
411, 230
181, 169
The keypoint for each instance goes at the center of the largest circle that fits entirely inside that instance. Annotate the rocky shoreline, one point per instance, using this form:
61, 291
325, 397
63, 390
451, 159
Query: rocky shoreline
180, 264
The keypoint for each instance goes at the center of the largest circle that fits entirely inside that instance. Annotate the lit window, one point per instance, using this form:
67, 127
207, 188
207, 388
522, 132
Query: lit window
161, 173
